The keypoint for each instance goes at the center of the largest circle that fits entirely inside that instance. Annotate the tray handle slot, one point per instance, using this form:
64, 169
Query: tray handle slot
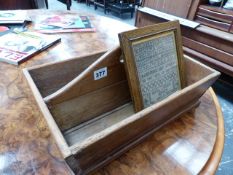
85, 98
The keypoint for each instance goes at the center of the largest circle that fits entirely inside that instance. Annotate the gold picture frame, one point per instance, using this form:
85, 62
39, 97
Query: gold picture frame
153, 58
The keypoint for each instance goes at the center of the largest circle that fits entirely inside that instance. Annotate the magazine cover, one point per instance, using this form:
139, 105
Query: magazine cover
13, 16
17, 47
64, 24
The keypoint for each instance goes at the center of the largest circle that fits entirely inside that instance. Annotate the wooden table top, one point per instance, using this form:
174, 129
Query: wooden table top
189, 145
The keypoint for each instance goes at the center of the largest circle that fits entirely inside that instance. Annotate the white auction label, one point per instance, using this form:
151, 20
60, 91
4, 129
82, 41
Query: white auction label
100, 73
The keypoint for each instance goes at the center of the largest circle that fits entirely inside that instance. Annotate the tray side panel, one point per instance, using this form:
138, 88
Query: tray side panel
195, 70
85, 97
78, 110
107, 145
108, 148
48, 117
49, 78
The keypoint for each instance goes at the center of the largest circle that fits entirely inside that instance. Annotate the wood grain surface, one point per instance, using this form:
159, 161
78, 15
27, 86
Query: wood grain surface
26, 146
182, 8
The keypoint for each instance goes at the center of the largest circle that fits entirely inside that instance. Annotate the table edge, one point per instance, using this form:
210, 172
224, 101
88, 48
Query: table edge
216, 154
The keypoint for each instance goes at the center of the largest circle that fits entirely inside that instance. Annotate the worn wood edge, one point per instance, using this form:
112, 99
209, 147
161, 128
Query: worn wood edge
76, 80
63, 61
215, 158
130, 67
210, 76
73, 165
203, 65
61, 143
77, 147
180, 55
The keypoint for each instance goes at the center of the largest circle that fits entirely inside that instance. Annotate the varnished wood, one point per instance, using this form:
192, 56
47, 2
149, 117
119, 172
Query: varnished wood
205, 36
215, 13
209, 168
216, 17
193, 8
172, 151
216, 9
201, 42
28, 147
209, 51
182, 8
213, 23
226, 68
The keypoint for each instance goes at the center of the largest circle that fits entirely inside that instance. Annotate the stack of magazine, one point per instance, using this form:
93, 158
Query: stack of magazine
13, 20
63, 24
13, 17
16, 44
18, 47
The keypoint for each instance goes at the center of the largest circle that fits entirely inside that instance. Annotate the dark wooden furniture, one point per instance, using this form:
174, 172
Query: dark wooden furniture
47, 4
22, 4
182, 8
216, 17
207, 44
137, 3
67, 2
27, 146
89, 2
117, 6
121, 7
102, 4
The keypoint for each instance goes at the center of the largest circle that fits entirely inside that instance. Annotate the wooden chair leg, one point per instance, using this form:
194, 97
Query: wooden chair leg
131, 14
46, 3
68, 4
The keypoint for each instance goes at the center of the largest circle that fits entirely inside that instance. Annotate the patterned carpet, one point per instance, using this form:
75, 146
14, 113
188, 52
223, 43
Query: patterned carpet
225, 96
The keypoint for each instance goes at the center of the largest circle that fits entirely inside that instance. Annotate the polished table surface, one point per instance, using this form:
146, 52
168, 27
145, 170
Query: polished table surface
191, 144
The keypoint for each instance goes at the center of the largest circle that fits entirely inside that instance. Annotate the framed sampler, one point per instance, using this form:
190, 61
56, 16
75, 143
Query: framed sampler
153, 59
